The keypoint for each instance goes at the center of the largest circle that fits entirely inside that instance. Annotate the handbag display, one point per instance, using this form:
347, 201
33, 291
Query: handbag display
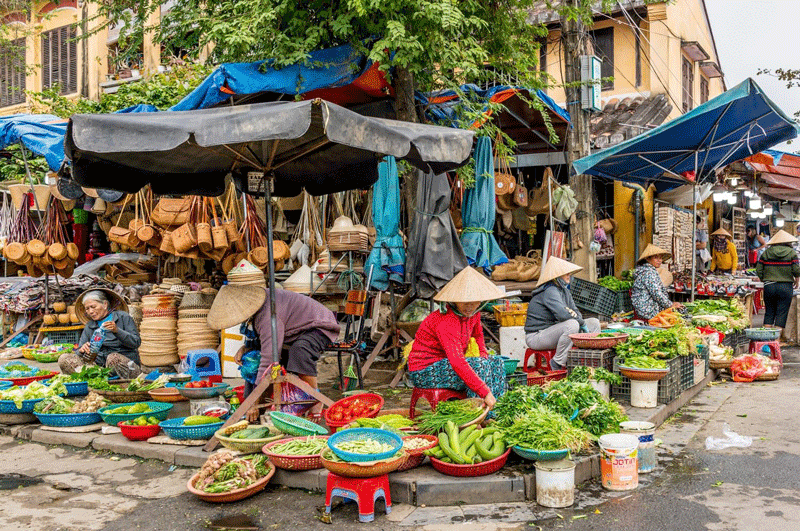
170, 212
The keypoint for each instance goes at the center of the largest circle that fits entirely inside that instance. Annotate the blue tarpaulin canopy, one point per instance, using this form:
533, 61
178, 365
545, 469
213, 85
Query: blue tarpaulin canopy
730, 127
387, 255
477, 212
43, 134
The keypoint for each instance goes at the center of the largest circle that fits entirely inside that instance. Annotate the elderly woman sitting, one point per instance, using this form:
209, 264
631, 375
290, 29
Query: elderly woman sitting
109, 339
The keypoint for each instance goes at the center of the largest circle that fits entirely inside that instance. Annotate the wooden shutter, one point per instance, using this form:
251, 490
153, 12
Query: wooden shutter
60, 59
12, 73
687, 80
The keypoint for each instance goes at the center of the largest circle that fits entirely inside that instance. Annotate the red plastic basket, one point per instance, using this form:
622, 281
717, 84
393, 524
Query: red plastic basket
478, 469
28, 379
549, 376
369, 398
293, 462
139, 433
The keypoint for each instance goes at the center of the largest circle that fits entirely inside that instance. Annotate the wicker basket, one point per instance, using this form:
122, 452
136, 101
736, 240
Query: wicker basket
293, 462
247, 446
478, 469
234, 495
68, 419
591, 341
362, 470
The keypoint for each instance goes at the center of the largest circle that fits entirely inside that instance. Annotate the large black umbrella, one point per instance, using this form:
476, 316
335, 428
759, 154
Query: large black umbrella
314, 144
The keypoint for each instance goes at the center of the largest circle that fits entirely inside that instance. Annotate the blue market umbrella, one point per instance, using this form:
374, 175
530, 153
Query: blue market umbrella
477, 213
388, 255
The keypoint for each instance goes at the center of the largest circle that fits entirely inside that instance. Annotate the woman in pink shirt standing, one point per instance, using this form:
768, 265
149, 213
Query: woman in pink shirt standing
437, 358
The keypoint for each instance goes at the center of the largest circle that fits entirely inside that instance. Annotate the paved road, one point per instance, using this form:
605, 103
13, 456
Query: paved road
59, 488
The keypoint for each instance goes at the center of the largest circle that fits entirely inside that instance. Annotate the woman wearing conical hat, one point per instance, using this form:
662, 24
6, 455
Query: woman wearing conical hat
779, 270
552, 313
724, 257
437, 358
648, 293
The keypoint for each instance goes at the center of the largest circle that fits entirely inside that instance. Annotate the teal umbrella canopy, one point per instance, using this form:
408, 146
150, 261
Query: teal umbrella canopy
388, 255
477, 213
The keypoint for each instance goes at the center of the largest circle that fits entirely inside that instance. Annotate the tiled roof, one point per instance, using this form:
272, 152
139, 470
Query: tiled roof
540, 13
623, 119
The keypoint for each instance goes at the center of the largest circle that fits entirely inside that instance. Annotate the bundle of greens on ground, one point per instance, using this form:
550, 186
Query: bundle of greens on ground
582, 374
515, 402
543, 429
459, 412
661, 344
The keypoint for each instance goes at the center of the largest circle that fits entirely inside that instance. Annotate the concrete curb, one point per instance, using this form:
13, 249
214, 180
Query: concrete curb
420, 486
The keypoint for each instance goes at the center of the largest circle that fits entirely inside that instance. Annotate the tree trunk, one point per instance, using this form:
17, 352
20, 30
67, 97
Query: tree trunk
575, 38
406, 111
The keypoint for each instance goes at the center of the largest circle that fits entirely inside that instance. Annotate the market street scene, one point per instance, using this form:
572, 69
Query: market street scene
399, 265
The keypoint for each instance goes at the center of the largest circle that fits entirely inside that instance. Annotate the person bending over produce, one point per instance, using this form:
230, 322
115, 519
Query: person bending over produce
109, 338
437, 358
305, 326
779, 269
649, 295
552, 313
724, 258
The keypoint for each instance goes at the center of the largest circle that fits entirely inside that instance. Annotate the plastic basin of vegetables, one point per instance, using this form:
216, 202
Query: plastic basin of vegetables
294, 425
478, 469
300, 461
367, 469
178, 431
364, 444
344, 411
249, 446
648, 375
232, 495
594, 341
540, 455
138, 433
66, 420
159, 410
202, 392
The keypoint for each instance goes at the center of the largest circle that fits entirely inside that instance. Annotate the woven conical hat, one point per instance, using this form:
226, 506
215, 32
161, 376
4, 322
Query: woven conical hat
782, 237
653, 250
469, 286
556, 267
721, 232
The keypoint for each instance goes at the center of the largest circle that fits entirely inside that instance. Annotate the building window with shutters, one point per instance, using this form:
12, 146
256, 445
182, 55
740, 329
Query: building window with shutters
603, 40
703, 89
687, 80
12, 73
60, 59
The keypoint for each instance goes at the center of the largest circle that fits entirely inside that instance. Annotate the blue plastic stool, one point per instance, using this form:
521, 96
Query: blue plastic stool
211, 370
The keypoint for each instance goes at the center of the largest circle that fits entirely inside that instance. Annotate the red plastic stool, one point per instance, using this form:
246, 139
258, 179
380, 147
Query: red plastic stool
364, 491
543, 358
433, 396
774, 348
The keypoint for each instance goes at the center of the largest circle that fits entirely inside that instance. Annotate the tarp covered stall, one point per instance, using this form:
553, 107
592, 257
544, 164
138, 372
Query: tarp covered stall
313, 145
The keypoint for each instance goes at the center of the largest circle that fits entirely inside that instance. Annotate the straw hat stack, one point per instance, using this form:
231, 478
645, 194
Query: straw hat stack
159, 329
193, 330
344, 236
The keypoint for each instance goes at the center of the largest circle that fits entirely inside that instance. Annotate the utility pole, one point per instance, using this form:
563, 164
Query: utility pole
575, 41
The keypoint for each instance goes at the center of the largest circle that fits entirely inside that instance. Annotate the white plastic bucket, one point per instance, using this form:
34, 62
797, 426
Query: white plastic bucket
619, 461
601, 387
644, 393
555, 483
645, 431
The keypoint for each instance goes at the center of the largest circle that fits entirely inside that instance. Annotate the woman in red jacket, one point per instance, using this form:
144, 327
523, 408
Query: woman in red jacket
437, 357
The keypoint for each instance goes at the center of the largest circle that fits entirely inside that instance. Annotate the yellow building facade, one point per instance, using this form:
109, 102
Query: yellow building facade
650, 49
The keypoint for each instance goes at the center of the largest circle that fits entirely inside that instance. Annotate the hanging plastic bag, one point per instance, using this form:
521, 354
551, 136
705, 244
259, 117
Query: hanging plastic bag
731, 440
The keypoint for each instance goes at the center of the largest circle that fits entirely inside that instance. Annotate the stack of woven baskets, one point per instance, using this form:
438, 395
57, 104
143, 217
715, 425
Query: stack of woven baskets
159, 329
193, 330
